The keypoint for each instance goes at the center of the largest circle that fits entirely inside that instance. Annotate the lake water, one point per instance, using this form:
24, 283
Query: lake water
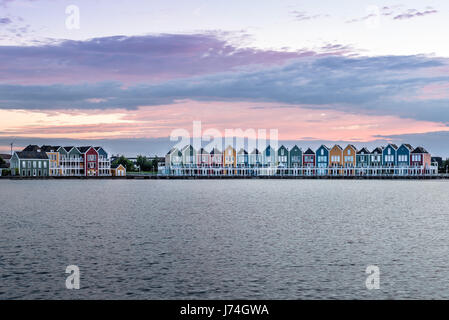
224, 239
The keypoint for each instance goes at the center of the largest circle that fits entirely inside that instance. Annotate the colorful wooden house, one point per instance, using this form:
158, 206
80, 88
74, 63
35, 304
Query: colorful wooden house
173, 158
255, 158
362, 158
269, 157
308, 158
349, 155
295, 156
203, 158
118, 170
90, 159
336, 156
230, 157
216, 158
188, 156
420, 158
403, 155
282, 157
104, 163
389, 158
242, 158
71, 160
53, 158
376, 157
30, 163
322, 160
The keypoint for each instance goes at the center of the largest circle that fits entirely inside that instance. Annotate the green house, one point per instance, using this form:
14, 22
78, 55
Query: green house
30, 163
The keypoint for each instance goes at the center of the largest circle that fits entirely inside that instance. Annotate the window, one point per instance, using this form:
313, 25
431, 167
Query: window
40, 164
34, 164
24, 164
45, 164
349, 152
322, 152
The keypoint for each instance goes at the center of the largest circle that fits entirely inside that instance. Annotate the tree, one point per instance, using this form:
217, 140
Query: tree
2, 162
128, 164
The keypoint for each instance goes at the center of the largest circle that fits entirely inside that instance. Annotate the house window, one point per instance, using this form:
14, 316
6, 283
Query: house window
34, 164
45, 164
40, 164
23, 164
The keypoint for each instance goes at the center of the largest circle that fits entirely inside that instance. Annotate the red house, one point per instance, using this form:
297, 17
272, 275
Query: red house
308, 158
420, 158
90, 159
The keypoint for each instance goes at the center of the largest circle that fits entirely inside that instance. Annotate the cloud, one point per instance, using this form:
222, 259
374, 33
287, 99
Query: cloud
5, 21
302, 15
150, 58
395, 12
413, 13
386, 85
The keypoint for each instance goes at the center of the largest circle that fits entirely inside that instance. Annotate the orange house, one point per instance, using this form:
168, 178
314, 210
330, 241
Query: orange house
118, 170
336, 159
349, 158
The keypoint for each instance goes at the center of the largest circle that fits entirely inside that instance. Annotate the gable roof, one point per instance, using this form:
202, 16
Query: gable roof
408, 146
32, 155
255, 151
203, 151
31, 147
50, 148
85, 149
5, 156
115, 166
378, 150
351, 146
215, 151
323, 146
242, 151
419, 150
68, 149
309, 151
295, 147
338, 146
394, 146
364, 150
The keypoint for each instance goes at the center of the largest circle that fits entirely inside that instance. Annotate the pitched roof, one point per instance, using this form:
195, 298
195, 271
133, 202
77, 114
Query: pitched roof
215, 151
378, 149
50, 148
68, 149
338, 146
5, 156
419, 150
32, 155
172, 150
31, 147
84, 149
393, 145
115, 166
309, 151
242, 151
255, 151
324, 146
408, 146
364, 150
352, 146
203, 151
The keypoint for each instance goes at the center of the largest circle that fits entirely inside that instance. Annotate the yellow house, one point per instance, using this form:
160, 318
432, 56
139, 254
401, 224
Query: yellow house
229, 158
118, 170
54, 161
336, 158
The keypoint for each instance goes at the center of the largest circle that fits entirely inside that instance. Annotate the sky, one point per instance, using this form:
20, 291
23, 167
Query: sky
129, 74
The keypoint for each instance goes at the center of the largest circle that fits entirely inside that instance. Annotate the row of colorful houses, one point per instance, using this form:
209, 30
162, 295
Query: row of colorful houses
324, 160
89, 161
324, 157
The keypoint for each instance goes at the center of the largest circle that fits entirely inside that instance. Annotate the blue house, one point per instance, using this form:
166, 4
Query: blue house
363, 158
269, 157
322, 159
295, 157
389, 155
403, 155
283, 157
242, 158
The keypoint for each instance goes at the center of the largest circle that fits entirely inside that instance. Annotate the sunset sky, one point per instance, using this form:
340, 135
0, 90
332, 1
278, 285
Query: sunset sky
350, 71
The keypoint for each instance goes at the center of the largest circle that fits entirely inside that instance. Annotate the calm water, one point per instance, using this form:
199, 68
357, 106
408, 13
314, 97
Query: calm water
248, 239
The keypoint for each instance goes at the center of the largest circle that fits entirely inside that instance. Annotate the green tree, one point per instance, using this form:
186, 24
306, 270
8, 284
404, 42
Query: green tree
128, 164
2, 162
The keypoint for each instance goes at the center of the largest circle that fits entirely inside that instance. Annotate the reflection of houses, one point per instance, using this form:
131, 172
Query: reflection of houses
118, 170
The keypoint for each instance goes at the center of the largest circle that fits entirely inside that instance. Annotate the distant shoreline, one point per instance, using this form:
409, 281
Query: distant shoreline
161, 177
